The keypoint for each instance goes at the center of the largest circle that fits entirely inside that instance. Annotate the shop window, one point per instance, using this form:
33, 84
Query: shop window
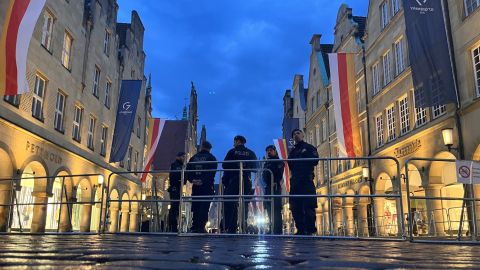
77, 210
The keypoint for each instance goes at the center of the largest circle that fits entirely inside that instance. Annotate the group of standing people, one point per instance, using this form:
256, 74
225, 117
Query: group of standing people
201, 170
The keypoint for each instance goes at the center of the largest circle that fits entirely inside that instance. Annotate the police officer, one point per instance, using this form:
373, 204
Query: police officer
301, 183
202, 176
275, 166
231, 179
174, 190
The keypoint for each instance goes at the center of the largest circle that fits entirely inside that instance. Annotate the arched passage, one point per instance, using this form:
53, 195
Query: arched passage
418, 207
385, 207
82, 209
348, 212
134, 211
125, 213
31, 189
114, 208
6, 173
444, 215
61, 190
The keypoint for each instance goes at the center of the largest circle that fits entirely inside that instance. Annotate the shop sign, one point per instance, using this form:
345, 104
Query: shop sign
46, 154
468, 172
408, 149
349, 183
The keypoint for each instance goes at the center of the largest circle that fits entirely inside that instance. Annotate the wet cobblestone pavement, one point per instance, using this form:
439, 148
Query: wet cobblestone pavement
202, 252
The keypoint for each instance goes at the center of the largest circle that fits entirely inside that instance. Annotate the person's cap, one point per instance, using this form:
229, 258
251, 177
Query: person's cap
271, 147
293, 131
180, 154
240, 138
206, 145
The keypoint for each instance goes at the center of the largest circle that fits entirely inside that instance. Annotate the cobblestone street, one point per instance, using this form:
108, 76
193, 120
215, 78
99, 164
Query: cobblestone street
200, 252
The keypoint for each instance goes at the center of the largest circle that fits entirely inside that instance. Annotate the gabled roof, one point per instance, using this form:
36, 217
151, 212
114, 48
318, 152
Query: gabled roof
362, 22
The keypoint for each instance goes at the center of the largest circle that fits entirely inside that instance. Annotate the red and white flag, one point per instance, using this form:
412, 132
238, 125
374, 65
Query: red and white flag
20, 21
281, 145
155, 129
342, 74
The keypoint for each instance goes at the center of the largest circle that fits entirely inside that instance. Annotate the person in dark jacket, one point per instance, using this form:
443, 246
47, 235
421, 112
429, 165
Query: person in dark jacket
274, 166
174, 190
231, 179
301, 183
202, 176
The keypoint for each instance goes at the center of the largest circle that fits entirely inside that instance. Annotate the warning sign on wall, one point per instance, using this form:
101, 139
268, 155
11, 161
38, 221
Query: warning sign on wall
468, 172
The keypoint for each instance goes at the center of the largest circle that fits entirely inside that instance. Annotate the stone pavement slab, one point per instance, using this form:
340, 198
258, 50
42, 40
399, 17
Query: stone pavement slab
225, 252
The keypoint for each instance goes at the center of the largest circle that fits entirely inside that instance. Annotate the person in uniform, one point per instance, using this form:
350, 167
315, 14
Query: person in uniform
174, 190
231, 179
301, 183
274, 166
202, 177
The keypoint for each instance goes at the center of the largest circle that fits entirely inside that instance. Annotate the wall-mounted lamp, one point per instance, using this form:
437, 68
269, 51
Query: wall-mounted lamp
366, 173
447, 134
99, 181
144, 197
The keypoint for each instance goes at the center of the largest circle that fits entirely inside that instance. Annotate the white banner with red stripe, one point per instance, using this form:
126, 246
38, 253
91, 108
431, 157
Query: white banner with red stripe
281, 145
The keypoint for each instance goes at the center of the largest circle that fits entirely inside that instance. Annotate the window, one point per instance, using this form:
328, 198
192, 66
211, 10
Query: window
376, 78
470, 6
391, 135
59, 112
108, 89
324, 129
384, 14
139, 124
387, 71
135, 162
129, 158
311, 137
399, 56
359, 100
325, 170
476, 67
420, 113
91, 133
312, 102
96, 81
438, 110
103, 141
404, 115
318, 98
13, 100
77, 123
47, 30
379, 122
317, 134
38, 95
106, 43
66, 52
395, 6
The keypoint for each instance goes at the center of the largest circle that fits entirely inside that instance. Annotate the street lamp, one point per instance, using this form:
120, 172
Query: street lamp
366, 173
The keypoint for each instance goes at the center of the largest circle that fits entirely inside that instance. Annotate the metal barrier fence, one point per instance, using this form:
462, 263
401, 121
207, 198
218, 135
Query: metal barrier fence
442, 221
353, 221
39, 204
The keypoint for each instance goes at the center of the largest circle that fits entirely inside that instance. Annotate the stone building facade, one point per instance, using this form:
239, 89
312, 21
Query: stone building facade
56, 139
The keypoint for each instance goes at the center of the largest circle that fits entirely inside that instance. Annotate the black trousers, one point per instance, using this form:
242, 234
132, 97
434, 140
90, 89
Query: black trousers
173, 213
230, 209
200, 211
303, 209
277, 208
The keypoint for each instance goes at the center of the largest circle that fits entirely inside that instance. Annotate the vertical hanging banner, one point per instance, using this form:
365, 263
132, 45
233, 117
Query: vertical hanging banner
289, 124
281, 145
126, 111
342, 75
155, 129
20, 20
429, 53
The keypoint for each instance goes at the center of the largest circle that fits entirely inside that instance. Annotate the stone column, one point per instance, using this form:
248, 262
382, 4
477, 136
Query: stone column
5, 198
124, 222
362, 219
435, 207
348, 212
66, 216
379, 215
113, 220
133, 227
319, 223
86, 218
39, 219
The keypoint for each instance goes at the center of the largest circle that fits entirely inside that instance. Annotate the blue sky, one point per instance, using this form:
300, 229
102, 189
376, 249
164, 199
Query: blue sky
241, 54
